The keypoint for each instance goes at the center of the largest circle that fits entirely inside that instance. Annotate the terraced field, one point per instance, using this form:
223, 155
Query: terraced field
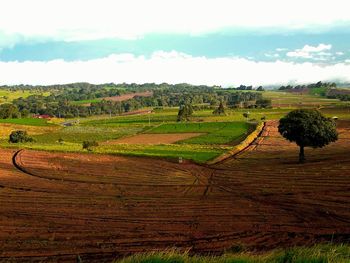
61, 205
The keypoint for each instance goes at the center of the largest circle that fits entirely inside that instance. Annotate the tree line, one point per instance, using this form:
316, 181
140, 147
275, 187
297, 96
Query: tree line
61, 98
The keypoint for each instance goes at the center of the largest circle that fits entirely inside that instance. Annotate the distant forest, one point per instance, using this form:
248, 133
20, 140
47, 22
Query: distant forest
62, 99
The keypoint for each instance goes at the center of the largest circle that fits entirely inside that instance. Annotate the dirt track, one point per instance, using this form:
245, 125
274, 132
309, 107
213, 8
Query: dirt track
100, 207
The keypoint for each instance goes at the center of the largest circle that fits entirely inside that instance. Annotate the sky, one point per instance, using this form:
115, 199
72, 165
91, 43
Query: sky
221, 42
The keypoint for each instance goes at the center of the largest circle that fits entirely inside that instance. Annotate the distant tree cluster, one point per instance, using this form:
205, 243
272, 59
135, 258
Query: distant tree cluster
20, 137
243, 87
340, 94
61, 98
9, 111
242, 99
263, 103
319, 84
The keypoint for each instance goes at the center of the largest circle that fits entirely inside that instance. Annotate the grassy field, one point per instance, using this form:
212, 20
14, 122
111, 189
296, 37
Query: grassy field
218, 131
78, 134
81, 102
69, 139
214, 141
315, 254
321, 254
8, 96
214, 132
27, 121
288, 99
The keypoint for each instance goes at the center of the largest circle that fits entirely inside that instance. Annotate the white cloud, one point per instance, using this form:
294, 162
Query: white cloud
96, 19
310, 51
171, 67
319, 48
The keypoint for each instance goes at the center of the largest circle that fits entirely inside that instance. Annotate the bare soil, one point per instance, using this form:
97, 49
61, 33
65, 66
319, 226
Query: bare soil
129, 96
124, 97
101, 207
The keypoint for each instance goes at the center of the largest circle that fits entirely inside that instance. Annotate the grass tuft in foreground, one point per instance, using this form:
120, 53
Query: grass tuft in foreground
315, 254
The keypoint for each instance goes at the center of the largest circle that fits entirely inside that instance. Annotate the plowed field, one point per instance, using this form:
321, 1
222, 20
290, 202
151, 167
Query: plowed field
128, 96
60, 205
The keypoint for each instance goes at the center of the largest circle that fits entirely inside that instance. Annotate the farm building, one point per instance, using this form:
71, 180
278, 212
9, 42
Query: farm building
42, 116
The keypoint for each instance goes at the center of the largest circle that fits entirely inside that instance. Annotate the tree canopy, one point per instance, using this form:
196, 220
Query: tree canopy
185, 111
308, 128
19, 136
220, 109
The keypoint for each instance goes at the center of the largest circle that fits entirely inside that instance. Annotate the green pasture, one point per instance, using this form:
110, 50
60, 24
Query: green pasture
292, 100
214, 141
8, 95
195, 152
78, 134
213, 132
82, 102
27, 121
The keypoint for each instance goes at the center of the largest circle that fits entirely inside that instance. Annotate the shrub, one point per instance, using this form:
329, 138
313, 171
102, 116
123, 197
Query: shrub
19, 136
89, 144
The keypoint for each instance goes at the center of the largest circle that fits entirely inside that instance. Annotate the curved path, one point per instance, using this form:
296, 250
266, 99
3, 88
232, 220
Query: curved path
65, 205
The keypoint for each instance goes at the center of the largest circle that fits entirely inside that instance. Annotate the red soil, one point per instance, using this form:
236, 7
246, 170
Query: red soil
101, 207
129, 96
124, 97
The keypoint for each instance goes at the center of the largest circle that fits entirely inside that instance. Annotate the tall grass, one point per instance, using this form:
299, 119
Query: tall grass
316, 254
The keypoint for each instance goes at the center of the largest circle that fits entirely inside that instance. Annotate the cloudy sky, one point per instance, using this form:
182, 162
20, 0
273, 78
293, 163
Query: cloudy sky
221, 42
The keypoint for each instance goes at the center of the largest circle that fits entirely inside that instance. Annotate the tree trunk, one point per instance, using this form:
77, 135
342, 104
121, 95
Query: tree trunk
301, 155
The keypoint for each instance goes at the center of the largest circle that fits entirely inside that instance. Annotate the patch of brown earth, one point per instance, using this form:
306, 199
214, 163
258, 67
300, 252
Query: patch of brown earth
101, 207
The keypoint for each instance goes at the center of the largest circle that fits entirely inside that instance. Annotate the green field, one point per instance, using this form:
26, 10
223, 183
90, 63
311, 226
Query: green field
8, 95
167, 115
82, 102
214, 141
78, 134
214, 132
199, 149
27, 121
289, 99
195, 152
219, 132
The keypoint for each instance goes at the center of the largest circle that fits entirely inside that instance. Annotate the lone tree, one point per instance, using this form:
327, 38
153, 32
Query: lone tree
185, 111
220, 110
307, 128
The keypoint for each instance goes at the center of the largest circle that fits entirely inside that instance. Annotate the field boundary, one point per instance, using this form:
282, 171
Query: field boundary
241, 146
